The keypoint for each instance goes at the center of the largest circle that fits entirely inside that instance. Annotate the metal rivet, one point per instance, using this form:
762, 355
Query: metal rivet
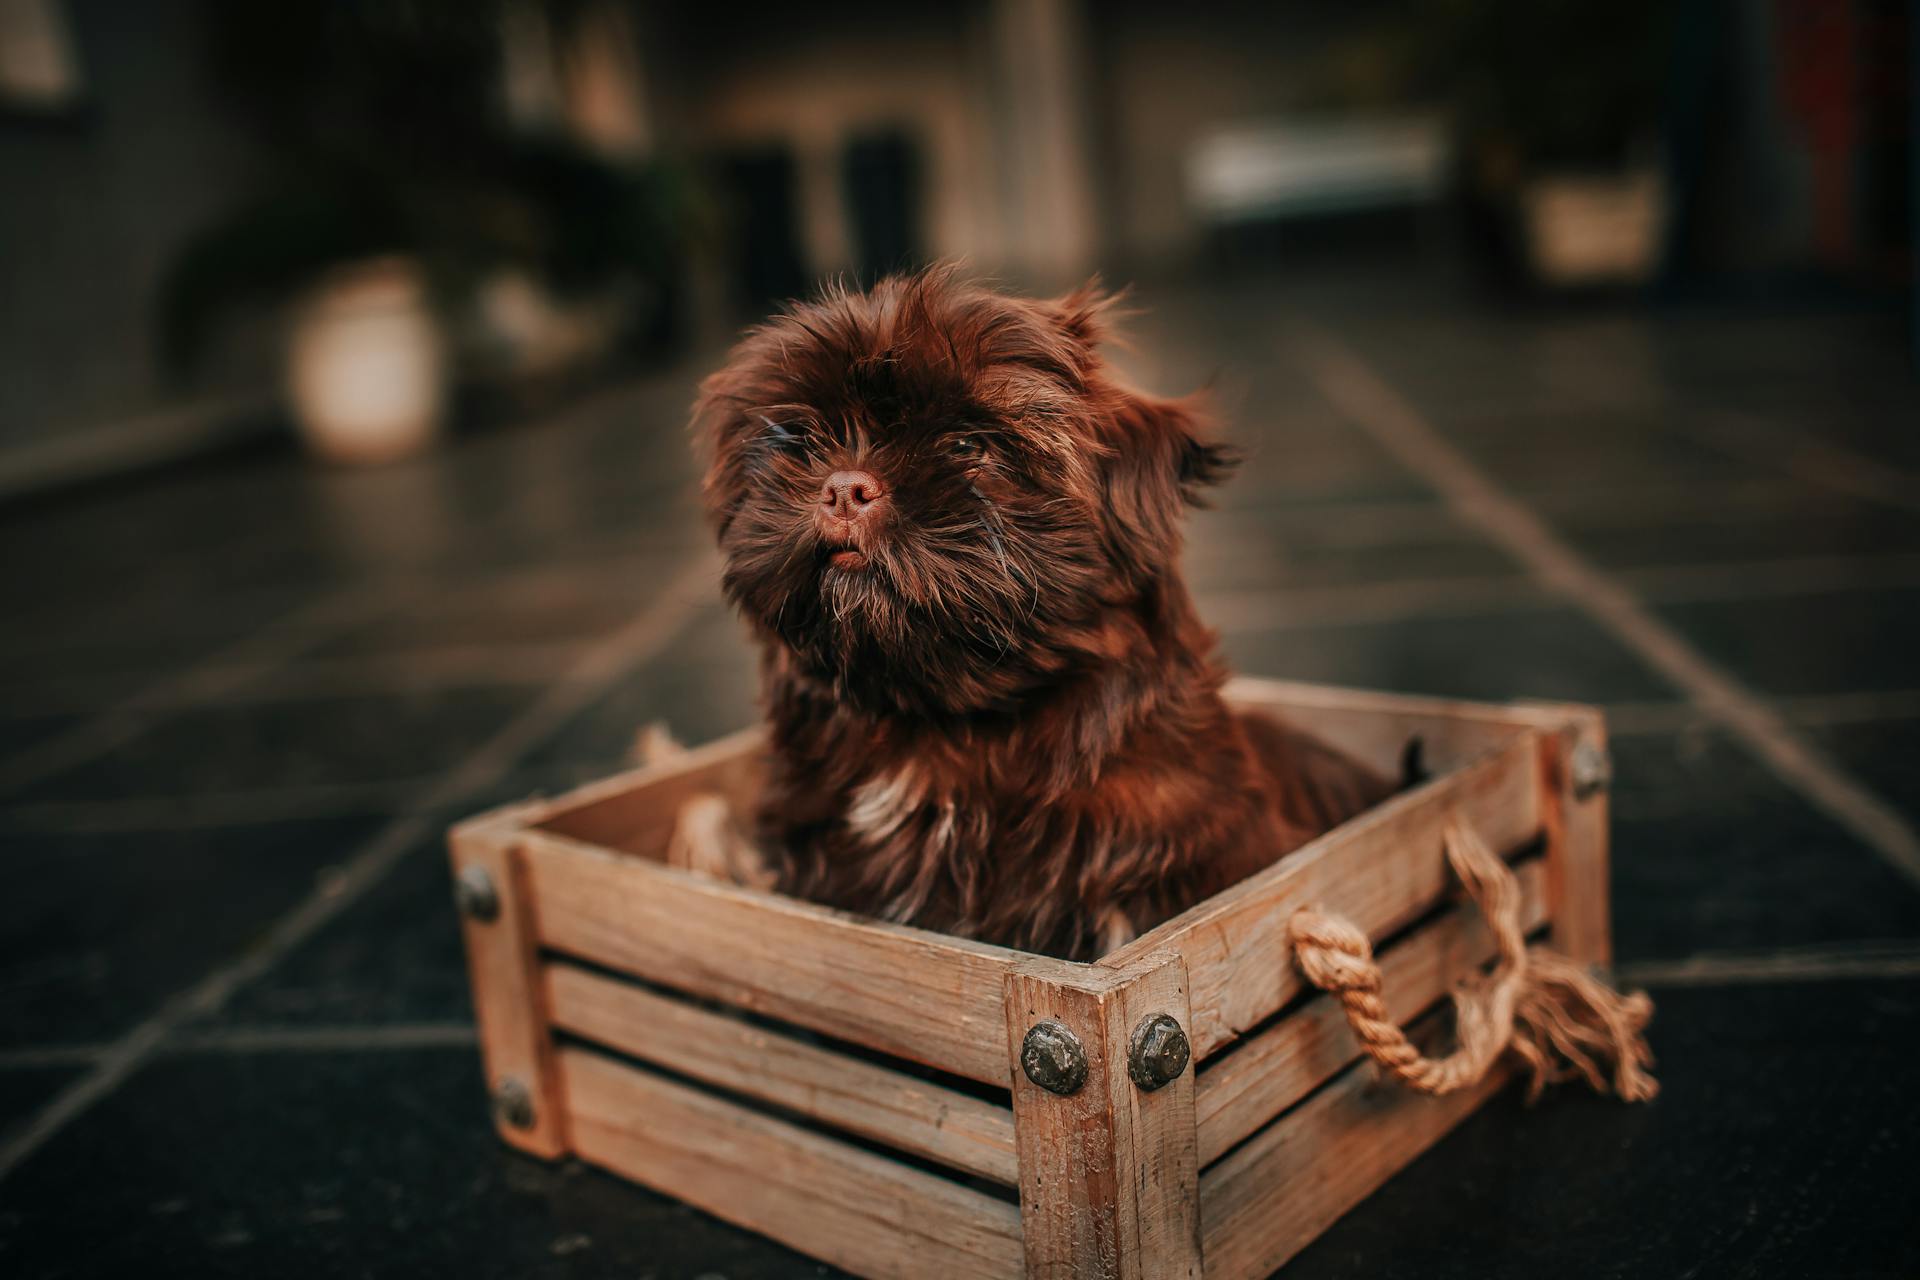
513, 1104
1052, 1058
1592, 770
1157, 1052
474, 894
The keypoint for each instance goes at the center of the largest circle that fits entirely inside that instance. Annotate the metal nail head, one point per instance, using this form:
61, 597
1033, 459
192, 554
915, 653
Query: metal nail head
474, 894
1053, 1058
513, 1104
1157, 1052
1592, 770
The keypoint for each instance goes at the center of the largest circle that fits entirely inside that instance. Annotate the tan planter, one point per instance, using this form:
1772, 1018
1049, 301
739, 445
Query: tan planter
1594, 230
367, 365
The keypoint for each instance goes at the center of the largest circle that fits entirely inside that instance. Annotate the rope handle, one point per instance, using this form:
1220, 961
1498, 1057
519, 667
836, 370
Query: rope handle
1558, 1018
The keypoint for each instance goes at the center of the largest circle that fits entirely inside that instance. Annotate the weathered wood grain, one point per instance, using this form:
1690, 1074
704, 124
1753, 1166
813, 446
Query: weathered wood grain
1382, 870
1290, 1182
635, 811
1576, 826
1375, 726
848, 1207
516, 1042
1283, 1064
921, 996
847, 1093
1108, 1175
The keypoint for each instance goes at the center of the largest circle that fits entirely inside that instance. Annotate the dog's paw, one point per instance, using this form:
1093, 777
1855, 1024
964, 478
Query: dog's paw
1116, 930
655, 744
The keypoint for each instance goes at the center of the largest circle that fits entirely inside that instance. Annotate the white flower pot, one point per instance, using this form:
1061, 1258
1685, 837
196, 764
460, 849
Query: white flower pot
367, 364
1594, 230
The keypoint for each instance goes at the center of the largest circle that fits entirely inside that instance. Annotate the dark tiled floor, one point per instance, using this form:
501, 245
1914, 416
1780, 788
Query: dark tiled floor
1885, 755
378, 629
101, 928
1712, 853
1867, 640
395, 959
374, 1167
1556, 654
1733, 1171
252, 746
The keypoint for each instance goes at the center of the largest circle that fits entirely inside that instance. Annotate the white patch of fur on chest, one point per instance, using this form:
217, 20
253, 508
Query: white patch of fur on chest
885, 803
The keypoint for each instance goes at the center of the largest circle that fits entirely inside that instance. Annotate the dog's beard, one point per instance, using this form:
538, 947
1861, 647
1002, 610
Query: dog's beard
950, 616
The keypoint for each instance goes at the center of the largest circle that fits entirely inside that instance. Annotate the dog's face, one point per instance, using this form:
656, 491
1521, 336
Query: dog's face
935, 496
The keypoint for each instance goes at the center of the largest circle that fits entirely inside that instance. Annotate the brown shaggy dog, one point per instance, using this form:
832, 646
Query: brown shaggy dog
955, 533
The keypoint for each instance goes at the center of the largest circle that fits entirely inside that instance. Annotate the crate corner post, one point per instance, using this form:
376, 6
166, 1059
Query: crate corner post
503, 964
1576, 778
1104, 1124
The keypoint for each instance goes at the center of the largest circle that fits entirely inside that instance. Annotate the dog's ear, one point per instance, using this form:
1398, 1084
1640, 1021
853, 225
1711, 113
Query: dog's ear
1163, 455
719, 429
1086, 315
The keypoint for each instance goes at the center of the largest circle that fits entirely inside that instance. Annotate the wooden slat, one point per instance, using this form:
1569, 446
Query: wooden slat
845, 1206
516, 1043
1283, 1064
921, 996
1375, 726
887, 1106
1382, 871
1109, 1183
1272, 1197
635, 811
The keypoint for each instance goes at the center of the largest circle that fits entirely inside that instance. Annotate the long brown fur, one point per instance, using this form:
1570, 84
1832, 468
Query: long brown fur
994, 712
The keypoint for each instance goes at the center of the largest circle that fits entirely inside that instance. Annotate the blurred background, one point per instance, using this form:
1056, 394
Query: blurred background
225, 219
345, 351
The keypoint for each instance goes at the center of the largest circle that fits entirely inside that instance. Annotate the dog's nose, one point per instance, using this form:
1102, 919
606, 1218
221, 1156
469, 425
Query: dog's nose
851, 494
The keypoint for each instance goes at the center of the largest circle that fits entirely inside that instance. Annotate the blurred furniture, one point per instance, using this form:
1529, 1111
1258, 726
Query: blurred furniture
1289, 168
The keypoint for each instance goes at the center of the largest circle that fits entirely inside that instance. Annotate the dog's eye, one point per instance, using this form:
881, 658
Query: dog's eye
782, 438
967, 448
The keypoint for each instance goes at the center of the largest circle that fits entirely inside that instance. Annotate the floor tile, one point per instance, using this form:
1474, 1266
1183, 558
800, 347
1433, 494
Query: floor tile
98, 930
703, 686
1840, 642
370, 1164
394, 956
1279, 559
22, 734
1712, 853
353, 738
1883, 755
1705, 535
24, 1090
1779, 1146
1550, 654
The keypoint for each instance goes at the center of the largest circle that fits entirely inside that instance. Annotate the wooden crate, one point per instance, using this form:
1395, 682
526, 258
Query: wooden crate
855, 1089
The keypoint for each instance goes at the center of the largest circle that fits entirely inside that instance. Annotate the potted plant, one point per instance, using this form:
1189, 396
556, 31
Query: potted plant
1558, 103
406, 232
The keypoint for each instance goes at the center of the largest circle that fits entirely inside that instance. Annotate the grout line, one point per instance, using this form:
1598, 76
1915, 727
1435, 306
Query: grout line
333, 1039
1404, 600
1398, 427
1234, 611
1819, 710
1812, 964
1838, 961
1238, 612
265, 648
220, 809
1806, 457
50, 1055
644, 636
